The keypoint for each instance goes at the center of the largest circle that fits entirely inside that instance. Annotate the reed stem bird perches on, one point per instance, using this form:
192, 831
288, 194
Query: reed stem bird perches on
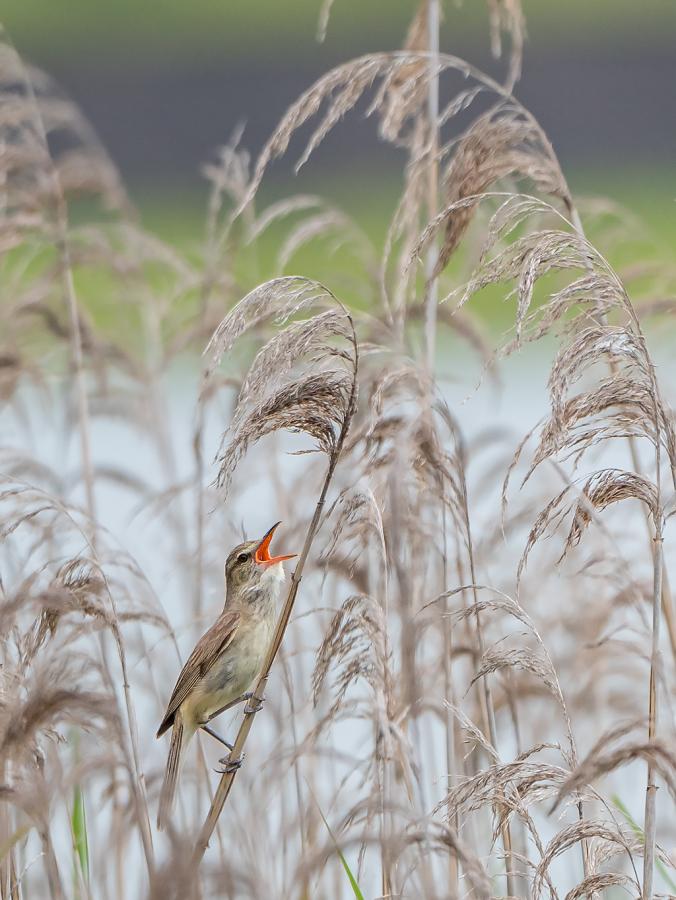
227, 658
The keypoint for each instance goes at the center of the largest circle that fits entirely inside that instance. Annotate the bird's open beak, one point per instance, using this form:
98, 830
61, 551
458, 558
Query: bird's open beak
262, 555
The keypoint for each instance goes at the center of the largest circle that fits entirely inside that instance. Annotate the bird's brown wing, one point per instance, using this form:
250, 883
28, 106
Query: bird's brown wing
207, 649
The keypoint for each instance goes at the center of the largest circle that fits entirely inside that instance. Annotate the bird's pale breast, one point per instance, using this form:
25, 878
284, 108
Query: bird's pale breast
234, 671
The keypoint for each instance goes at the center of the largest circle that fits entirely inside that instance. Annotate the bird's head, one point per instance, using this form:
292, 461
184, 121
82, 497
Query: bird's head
250, 563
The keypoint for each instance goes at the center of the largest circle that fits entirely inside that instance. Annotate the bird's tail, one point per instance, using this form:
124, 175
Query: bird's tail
178, 741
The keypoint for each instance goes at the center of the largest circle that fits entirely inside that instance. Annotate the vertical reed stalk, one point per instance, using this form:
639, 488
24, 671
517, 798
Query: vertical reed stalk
449, 691
288, 681
51, 865
431, 282
78, 361
5, 832
650, 819
487, 706
13, 877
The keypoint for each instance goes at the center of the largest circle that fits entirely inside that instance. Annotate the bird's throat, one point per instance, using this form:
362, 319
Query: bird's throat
260, 600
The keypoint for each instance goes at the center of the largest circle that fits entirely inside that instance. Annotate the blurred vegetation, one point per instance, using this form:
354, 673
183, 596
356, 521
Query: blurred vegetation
178, 216
203, 29
81, 33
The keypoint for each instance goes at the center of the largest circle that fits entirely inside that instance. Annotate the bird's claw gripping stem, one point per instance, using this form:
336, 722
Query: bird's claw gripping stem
254, 704
229, 765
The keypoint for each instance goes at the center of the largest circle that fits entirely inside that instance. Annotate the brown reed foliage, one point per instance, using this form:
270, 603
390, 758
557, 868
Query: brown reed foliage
470, 679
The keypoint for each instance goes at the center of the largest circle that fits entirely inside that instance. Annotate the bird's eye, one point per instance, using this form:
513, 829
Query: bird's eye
242, 557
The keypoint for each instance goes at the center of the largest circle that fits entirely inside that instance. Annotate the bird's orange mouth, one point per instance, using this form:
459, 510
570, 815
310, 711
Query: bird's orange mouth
262, 555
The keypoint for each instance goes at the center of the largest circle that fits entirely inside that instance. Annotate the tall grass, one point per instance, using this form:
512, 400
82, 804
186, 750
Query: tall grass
472, 677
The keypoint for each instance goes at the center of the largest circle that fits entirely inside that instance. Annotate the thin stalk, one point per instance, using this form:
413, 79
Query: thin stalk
66, 271
78, 359
431, 282
383, 793
449, 691
650, 819
304, 891
51, 865
5, 840
489, 708
227, 779
138, 782
379, 586
431, 300
13, 878
667, 608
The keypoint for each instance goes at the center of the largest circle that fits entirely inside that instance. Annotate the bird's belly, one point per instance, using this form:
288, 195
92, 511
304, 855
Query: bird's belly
232, 674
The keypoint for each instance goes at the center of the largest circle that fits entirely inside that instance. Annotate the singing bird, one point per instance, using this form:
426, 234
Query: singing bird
227, 658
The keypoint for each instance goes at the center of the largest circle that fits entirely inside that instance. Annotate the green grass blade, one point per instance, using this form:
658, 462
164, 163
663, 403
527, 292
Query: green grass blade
354, 884
79, 826
638, 831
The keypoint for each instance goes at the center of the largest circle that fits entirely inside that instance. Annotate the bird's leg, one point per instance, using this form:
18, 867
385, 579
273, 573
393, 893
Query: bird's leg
232, 703
216, 735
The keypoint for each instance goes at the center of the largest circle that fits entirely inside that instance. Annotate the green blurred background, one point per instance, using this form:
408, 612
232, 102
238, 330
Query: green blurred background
166, 82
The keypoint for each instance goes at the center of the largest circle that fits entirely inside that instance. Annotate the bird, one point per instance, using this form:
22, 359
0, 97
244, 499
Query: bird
227, 658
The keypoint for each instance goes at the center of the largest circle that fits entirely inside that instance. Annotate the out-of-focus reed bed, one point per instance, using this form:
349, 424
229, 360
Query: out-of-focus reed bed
473, 690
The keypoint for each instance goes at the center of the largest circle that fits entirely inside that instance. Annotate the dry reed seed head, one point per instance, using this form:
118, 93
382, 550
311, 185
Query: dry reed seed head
51, 693
33, 110
403, 91
600, 761
312, 339
506, 141
343, 87
472, 734
316, 405
597, 884
278, 300
516, 785
355, 646
507, 16
525, 261
274, 396
602, 489
76, 587
618, 407
495, 659
607, 487
327, 223
531, 255
356, 514
570, 836
288, 206
229, 174
615, 344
